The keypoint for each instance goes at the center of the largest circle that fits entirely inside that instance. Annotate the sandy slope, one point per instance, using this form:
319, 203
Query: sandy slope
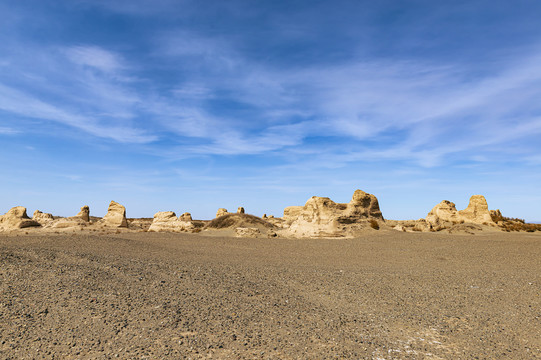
155, 295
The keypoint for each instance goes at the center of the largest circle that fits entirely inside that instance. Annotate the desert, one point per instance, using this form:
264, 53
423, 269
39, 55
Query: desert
326, 280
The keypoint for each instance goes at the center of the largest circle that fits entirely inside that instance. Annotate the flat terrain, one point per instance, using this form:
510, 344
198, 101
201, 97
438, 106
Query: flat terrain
389, 295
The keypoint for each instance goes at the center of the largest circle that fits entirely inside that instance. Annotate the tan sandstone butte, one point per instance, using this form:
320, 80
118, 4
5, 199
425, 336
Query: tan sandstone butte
444, 215
321, 216
221, 212
43, 218
116, 215
16, 218
84, 213
185, 217
477, 211
168, 221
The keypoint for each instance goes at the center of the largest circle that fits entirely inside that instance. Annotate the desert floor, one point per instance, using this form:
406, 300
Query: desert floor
389, 295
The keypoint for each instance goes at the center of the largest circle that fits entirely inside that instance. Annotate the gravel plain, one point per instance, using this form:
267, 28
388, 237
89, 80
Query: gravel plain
389, 295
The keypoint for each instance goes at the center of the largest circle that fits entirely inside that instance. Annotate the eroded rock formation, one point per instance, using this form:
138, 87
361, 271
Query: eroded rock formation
42, 218
477, 211
168, 221
84, 213
321, 216
221, 212
16, 218
445, 215
116, 215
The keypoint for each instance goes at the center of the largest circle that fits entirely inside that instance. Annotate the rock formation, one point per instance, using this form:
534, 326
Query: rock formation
84, 213
444, 215
185, 217
321, 216
477, 211
16, 218
221, 212
240, 210
168, 221
116, 215
43, 218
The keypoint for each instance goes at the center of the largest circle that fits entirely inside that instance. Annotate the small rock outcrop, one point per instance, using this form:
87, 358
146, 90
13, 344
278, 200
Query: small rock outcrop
168, 221
116, 216
84, 213
16, 218
42, 218
221, 212
240, 210
248, 232
185, 217
321, 216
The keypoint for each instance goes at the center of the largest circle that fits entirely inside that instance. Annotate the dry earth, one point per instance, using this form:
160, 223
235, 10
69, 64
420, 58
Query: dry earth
388, 295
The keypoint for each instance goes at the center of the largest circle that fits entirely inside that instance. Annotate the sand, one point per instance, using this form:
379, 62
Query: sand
388, 295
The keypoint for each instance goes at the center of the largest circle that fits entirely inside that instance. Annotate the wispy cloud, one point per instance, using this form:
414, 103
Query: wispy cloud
8, 131
94, 57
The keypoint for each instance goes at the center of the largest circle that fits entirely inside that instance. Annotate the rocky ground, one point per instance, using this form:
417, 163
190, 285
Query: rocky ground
388, 295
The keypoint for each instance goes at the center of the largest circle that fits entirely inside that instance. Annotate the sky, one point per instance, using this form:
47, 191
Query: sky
191, 106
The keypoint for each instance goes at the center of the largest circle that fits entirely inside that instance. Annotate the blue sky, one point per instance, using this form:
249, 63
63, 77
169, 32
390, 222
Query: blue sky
195, 105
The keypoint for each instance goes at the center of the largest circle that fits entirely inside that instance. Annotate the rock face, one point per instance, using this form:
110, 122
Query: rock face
42, 218
221, 212
84, 213
168, 221
240, 210
445, 215
321, 216
16, 218
116, 215
477, 211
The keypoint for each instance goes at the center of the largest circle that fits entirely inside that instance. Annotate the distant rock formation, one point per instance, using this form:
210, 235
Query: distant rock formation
116, 216
445, 215
442, 216
16, 218
240, 210
185, 217
477, 211
84, 213
168, 221
43, 219
221, 212
321, 216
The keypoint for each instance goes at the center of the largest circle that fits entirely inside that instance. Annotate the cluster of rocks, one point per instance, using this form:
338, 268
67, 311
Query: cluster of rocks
17, 218
319, 217
445, 216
